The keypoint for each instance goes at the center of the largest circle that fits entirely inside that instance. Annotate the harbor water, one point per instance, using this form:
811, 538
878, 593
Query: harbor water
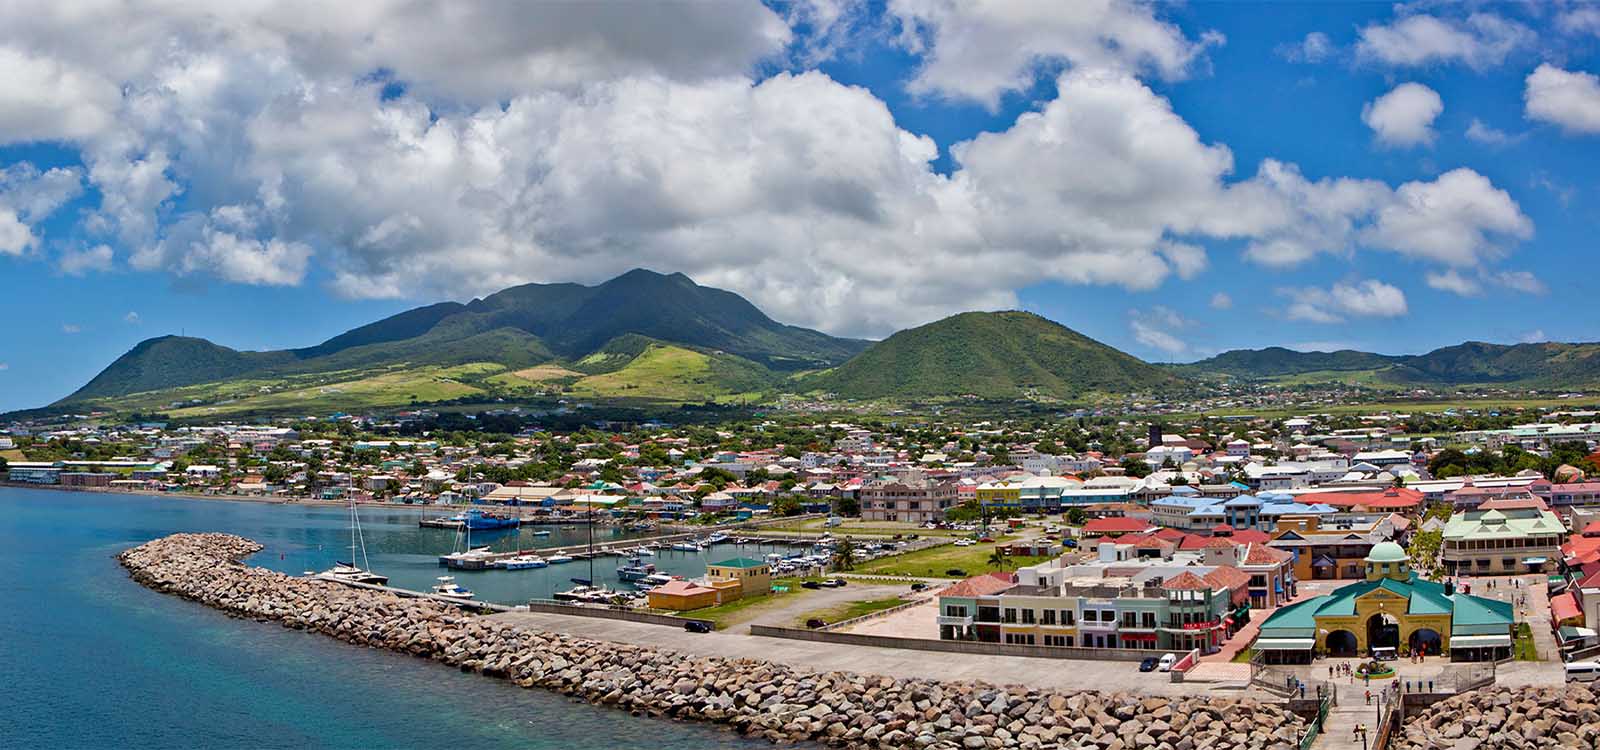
91, 659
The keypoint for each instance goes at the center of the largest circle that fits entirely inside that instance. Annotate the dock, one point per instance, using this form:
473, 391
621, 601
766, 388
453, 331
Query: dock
476, 606
617, 548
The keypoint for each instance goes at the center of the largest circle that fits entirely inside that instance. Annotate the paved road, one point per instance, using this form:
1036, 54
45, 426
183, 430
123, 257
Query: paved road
794, 607
1061, 674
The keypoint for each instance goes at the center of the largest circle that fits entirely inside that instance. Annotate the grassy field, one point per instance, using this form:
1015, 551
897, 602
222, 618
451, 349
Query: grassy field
386, 389
13, 455
538, 375
849, 610
668, 373
1523, 647
934, 561
1405, 407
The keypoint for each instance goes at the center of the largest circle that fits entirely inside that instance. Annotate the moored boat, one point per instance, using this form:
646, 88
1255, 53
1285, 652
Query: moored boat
448, 588
635, 570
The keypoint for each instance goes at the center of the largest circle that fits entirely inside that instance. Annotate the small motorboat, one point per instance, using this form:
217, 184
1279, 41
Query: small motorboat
687, 547
348, 573
653, 580
558, 559
449, 589
540, 532
644, 552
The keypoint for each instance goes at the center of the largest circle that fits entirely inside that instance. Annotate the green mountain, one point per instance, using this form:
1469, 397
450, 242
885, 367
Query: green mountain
695, 336
992, 355
1545, 365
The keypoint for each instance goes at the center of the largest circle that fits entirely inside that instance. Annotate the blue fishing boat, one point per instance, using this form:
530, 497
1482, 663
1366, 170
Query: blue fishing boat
477, 520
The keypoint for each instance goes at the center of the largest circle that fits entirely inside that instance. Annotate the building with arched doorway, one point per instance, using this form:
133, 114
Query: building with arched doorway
1391, 608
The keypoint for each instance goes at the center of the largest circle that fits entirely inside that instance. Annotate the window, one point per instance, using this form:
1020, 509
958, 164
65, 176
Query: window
1011, 615
1049, 616
1067, 617
1130, 619
1091, 615
955, 610
1107, 615
1027, 617
1149, 619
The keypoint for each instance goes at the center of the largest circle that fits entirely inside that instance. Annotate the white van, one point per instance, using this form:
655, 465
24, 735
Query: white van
1583, 671
1166, 662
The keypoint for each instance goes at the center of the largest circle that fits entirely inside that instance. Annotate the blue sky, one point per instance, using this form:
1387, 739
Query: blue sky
855, 167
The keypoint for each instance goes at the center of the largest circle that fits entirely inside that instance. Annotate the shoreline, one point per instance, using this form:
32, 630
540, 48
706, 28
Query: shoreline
758, 698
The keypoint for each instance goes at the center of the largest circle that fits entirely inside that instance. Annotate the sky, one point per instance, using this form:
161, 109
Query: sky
1173, 179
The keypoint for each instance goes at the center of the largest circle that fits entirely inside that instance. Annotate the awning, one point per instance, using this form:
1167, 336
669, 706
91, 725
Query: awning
1534, 560
1575, 633
1285, 644
1480, 641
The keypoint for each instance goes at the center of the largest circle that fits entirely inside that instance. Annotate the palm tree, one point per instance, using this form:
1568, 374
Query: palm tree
844, 556
998, 559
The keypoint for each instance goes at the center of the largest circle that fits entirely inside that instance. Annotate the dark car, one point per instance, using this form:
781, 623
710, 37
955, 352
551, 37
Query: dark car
1069, 542
810, 585
956, 572
697, 626
1148, 665
815, 623
918, 586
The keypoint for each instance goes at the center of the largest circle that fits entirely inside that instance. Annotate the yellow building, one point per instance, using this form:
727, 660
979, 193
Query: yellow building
753, 576
1003, 493
1392, 608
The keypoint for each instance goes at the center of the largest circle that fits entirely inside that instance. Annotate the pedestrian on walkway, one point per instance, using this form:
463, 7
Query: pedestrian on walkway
1369, 697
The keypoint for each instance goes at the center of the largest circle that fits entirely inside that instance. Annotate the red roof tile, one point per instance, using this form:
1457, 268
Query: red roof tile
988, 584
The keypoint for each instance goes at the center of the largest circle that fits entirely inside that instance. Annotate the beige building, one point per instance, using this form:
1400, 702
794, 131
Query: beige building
1502, 537
915, 499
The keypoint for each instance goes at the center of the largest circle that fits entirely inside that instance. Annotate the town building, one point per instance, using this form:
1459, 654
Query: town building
753, 576
1502, 537
1392, 608
915, 499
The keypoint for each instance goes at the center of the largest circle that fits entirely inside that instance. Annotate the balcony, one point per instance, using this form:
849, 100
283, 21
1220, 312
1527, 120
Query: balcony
960, 621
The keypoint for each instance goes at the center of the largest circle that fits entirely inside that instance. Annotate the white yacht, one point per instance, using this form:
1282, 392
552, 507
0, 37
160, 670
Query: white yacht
524, 562
449, 589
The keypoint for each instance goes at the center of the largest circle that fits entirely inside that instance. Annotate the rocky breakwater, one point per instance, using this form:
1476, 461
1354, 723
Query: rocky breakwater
1506, 719
775, 701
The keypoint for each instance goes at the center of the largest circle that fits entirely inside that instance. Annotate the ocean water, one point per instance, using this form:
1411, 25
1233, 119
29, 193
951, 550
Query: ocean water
90, 659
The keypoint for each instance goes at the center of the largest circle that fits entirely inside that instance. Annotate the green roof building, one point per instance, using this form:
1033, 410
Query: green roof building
1392, 608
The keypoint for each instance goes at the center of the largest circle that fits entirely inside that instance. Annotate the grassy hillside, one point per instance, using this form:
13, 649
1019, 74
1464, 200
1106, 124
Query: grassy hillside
664, 372
992, 355
1546, 366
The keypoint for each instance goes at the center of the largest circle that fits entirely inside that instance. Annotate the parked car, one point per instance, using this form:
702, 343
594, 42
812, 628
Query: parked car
1167, 662
918, 586
815, 623
965, 542
986, 539
1148, 665
835, 583
956, 573
811, 585
697, 626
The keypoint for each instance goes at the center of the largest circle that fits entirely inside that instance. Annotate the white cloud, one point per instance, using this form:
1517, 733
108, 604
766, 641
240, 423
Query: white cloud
1456, 282
80, 262
981, 51
132, 318
1221, 301
1570, 99
1480, 41
1459, 219
1404, 116
1535, 336
253, 145
1487, 135
1519, 281
1314, 48
27, 196
1160, 328
71, 328
1452, 280
1580, 20
1367, 298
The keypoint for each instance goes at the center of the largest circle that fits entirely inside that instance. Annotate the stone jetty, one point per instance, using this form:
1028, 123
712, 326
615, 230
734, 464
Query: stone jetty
1507, 719
760, 699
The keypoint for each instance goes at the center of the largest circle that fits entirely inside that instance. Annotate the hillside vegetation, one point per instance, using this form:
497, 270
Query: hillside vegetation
992, 355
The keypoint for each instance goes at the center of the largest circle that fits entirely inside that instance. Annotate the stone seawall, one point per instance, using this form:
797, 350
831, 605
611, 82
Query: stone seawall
757, 698
1567, 717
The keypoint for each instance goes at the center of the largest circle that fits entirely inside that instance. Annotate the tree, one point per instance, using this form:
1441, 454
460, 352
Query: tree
999, 560
844, 555
1076, 516
1133, 467
849, 506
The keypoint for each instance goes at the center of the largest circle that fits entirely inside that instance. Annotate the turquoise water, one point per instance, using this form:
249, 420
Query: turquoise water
90, 659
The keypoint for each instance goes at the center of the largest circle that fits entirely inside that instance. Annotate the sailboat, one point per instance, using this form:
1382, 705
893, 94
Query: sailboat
465, 556
349, 572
